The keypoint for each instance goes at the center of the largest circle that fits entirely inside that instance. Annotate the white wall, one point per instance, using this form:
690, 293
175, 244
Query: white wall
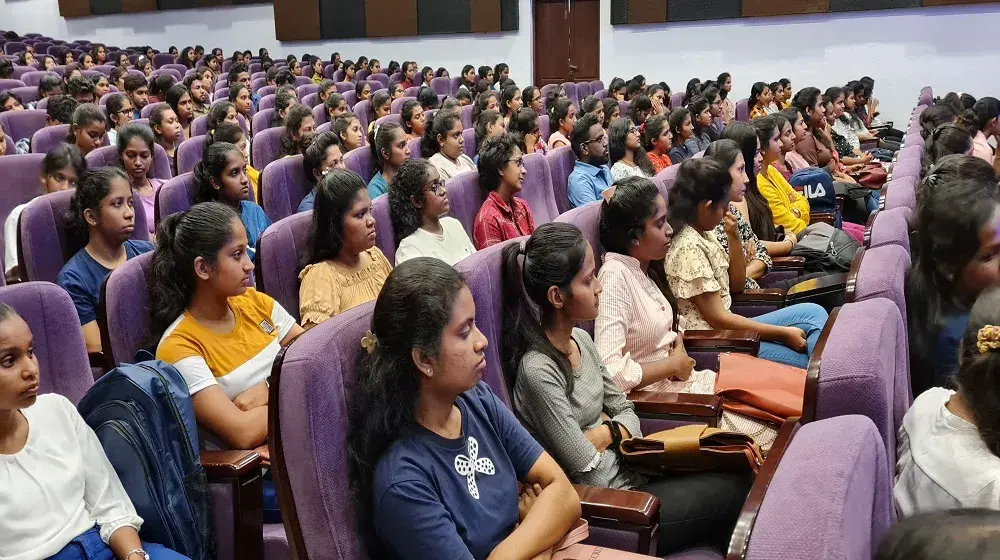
252, 27
952, 48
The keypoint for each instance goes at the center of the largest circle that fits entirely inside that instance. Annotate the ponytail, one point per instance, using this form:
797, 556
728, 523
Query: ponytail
978, 377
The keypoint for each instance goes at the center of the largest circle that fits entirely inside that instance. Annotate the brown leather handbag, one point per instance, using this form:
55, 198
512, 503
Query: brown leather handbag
760, 388
692, 448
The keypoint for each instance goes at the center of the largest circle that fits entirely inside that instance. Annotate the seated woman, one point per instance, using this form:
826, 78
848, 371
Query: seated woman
934, 117
167, 132
760, 100
948, 447
323, 154
443, 145
420, 409
179, 99
221, 176
502, 216
220, 334
283, 102
612, 112
701, 118
231, 132
681, 130
627, 156
793, 129
982, 119
120, 113
418, 208
239, 96
299, 130
343, 268
101, 222
566, 398
54, 458
414, 121
136, 147
702, 276
956, 257
510, 101
525, 126
947, 140
380, 106
62, 167
562, 117
87, 127
347, 127
389, 151
656, 140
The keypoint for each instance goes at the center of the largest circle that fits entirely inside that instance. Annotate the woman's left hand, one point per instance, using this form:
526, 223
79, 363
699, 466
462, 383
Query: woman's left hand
729, 224
526, 499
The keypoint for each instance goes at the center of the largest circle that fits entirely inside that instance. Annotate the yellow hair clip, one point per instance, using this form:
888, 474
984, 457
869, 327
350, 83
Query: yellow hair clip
988, 339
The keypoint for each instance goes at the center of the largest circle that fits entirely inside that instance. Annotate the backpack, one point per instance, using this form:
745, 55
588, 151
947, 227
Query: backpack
825, 248
817, 186
143, 417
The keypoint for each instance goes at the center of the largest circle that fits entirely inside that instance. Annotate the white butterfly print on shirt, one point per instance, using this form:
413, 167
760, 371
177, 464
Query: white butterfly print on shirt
469, 466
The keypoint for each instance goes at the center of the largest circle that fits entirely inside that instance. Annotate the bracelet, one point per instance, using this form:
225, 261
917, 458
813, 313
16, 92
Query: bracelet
616, 436
142, 554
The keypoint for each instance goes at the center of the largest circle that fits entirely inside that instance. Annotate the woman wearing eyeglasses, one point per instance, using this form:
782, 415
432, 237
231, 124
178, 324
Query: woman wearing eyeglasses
628, 157
345, 268
502, 216
120, 113
418, 204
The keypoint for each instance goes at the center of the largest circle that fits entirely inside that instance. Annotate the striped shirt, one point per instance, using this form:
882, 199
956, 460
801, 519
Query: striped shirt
635, 325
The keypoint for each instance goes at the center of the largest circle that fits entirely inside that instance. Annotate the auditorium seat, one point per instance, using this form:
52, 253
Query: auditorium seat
362, 110
189, 153
123, 319
351, 97
20, 183
469, 146
359, 160
543, 128
879, 273
50, 136
900, 192
262, 119
265, 90
42, 244
344, 86
465, 197
311, 100
279, 251
466, 117
163, 58
571, 92
27, 94
284, 184
889, 227
146, 111
561, 162
743, 110
304, 90
107, 156
665, 180
22, 124
397, 104
414, 146
265, 147
394, 118
677, 100
537, 190
380, 78
176, 195
385, 237
11, 83
266, 102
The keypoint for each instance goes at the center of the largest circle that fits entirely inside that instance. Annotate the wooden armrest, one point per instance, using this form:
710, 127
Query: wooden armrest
788, 263
727, 340
627, 506
827, 284
679, 404
229, 464
769, 295
824, 217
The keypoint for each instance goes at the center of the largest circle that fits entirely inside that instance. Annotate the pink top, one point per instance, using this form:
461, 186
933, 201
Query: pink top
635, 324
981, 147
795, 161
149, 203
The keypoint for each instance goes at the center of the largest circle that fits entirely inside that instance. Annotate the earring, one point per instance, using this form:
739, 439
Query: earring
635, 241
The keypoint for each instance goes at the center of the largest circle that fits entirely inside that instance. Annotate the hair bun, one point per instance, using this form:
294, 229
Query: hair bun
988, 338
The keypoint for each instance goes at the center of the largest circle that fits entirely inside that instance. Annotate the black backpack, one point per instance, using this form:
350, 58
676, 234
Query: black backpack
825, 248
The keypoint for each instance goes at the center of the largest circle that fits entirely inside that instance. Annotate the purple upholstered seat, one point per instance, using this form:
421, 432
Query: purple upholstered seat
222, 92
108, 156
359, 160
828, 499
284, 184
278, 251
561, 162
48, 137
743, 110
909, 167
571, 92
257, 83
173, 73
543, 128
302, 91
881, 273
583, 90
302, 81
362, 110
22, 124
469, 146
441, 86
385, 237
262, 118
319, 115
380, 78
596, 85
163, 58
467, 117
390, 118
901, 192
42, 246
20, 180
176, 195
465, 197
266, 102
362, 75
396, 106
537, 190
311, 100
7, 83
264, 90
411, 92
890, 227
146, 111
43, 103
14, 47
27, 94
265, 147
677, 99
665, 180
9, 146
33, 77
351, 97
587, 219
343, 87
863, 369
189, 153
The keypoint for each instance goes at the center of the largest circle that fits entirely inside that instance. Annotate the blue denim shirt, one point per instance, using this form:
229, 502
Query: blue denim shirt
587, 182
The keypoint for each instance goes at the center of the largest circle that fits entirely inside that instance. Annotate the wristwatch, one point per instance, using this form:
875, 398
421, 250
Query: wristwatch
138, 552
616, 435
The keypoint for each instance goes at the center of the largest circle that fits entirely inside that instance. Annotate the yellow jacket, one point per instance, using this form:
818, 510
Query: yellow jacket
254, 176
782, 199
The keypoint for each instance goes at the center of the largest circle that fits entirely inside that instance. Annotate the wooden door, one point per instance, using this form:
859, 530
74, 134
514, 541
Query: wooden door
567, 41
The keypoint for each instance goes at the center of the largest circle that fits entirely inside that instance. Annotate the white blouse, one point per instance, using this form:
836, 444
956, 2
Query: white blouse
58, 486
451, 246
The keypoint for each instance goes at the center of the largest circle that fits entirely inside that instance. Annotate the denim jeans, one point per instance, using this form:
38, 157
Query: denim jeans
809, 317
89, 546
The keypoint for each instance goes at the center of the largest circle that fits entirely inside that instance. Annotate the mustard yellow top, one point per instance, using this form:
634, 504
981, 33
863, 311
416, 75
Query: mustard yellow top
254, 176
324, 291
784, 201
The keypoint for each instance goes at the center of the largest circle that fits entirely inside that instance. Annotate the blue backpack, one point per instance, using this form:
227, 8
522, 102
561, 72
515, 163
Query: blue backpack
817, 187
143, 416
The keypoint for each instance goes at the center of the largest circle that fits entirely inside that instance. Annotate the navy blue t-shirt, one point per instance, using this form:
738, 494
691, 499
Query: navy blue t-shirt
949, 340
82, 276
437, 499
